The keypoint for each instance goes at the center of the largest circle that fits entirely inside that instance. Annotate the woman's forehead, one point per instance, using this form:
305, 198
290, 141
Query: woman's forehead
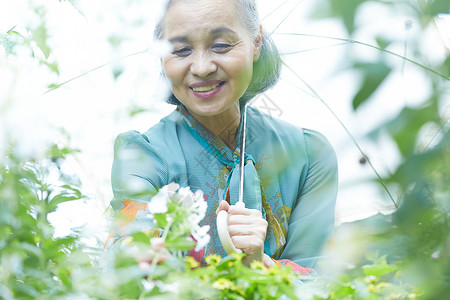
185, 17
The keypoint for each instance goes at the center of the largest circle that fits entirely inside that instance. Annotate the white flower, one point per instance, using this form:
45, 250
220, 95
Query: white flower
201, 236
148, 285
158, 204
193, 203
171, 188
199, 212
198, 196
187, 197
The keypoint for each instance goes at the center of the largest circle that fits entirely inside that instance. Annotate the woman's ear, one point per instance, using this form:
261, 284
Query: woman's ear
258, 44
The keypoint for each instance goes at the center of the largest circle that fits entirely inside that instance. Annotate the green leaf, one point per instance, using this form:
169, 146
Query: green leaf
40, 36
73, 189
141, 237
346, 10
52, 66
28, 290
445, 66
438, 7
53, 86
115, 40
417, 166
379, 268
60, 199
160, 220
31, 249
373, 75
117, 71
405, 127
135, 110
383, 43
372, 256
180, 243
344, 292
57, 152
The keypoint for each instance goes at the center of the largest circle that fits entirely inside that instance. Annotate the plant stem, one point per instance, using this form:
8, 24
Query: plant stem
9, 31
156, 257
94, 69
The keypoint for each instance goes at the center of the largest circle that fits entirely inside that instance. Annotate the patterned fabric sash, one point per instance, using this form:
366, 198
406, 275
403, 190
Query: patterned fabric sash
215, 146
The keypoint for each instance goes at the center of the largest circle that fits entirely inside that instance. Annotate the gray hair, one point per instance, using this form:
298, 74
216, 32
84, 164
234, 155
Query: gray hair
266, 70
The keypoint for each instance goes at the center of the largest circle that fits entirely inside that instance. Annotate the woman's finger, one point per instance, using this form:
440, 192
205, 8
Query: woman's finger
250, 245
235, 210
245, 220
223, 206
248, 230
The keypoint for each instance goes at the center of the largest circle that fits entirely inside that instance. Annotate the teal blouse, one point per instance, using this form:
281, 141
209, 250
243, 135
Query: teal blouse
290, 176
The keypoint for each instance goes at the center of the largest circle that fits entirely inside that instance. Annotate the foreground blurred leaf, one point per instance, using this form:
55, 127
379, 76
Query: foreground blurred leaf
373, 75
60, 199
53, 86
405, 127
445, 67
52, 66
180, 243
342, 9
382, 42
40, 36
379, 267
416, 166
436, 7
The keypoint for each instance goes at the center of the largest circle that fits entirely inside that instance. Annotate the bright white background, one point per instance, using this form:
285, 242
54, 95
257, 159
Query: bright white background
93, 109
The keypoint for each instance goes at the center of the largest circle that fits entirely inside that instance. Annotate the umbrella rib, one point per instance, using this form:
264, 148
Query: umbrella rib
287, 16
273, 11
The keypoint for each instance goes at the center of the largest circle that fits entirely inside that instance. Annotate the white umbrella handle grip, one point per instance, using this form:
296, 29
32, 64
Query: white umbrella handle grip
222, 230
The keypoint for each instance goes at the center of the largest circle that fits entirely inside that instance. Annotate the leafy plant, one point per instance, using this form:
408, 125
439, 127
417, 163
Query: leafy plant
34, 262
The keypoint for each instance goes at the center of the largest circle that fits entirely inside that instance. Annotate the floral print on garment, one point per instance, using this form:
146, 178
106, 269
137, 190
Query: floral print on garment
290, 175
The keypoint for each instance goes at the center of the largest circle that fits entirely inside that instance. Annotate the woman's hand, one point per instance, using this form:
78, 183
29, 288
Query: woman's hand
247, 230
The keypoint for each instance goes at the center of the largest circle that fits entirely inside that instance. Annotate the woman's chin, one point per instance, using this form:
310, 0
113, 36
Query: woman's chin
205, 111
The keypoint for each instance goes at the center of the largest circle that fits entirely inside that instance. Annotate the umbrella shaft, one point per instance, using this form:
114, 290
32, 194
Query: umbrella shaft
242, 155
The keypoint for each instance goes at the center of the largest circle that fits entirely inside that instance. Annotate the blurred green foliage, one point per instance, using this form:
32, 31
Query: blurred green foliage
373, 74
415, 240
34, 262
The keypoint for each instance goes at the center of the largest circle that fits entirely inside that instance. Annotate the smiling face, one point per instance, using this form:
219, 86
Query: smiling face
211, 64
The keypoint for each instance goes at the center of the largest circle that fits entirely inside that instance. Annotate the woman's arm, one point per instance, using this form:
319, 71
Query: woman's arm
134, 179
312, 218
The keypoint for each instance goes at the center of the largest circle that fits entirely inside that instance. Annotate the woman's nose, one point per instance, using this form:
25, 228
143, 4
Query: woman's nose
202, 65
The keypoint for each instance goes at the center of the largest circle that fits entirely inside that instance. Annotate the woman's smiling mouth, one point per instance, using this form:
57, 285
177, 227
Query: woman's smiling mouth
207, 90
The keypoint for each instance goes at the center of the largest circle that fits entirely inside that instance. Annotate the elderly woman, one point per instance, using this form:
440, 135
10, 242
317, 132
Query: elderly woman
221, 59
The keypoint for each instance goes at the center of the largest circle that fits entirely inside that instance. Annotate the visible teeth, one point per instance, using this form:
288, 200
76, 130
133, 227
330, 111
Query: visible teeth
205, 88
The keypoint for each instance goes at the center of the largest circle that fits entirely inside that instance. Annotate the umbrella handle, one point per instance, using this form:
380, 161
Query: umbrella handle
222, 230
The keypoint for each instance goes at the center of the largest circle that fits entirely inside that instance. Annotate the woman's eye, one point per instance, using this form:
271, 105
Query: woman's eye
221, 47
182, 52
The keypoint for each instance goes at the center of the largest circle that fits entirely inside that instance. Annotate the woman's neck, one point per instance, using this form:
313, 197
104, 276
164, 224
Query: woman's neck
224, 126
